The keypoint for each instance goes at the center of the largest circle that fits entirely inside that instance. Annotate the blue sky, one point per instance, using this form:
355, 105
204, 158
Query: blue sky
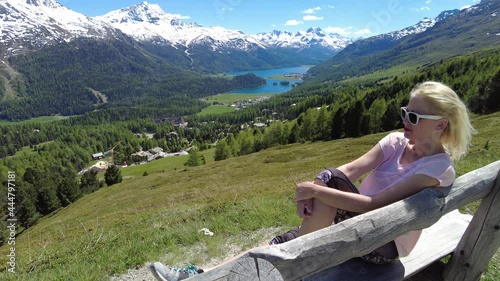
349, 18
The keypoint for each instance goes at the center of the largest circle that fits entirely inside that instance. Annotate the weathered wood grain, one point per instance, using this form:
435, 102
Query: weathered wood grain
479, 243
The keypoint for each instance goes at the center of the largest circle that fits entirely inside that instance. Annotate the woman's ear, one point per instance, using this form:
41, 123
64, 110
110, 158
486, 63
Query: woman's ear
442, 124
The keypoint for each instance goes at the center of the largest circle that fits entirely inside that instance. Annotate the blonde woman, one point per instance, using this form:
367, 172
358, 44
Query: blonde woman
437, 131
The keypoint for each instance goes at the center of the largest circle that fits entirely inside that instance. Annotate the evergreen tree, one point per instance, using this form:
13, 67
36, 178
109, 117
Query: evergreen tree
492, 101
306, 129
47, 200
68, 191
321, 125
355, 118
222, 150
113, 175
89, 182
294, 134
194, 158
338, 124
375, 114
27, 213
246, 143
392, 117
273, 135
231, 142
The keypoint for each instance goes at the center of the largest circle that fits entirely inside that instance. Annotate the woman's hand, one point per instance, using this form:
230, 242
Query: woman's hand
305, 208
305, 190
304, 198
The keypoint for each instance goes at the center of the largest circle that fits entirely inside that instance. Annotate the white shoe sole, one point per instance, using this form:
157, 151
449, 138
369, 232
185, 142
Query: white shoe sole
155, 273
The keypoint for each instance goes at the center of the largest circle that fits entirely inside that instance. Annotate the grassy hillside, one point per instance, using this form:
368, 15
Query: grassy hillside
157, 217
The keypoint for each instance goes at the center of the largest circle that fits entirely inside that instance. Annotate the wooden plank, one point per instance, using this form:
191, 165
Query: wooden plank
357, 269
436, 242
322, 249
479, 243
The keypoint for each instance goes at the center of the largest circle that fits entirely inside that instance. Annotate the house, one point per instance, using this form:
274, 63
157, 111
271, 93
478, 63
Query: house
156, 150
97, 156
99, 167
142, 156
178, 121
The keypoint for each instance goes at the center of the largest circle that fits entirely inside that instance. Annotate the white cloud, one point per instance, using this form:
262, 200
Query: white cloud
331, 6
362, 32
311, 10
309, 17
339, 30
293, 22
181, 17
421, 9
428, 1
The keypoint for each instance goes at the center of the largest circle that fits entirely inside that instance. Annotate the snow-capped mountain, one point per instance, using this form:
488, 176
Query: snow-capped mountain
301, 39
420, 27
148, 22
32, 24
152, 26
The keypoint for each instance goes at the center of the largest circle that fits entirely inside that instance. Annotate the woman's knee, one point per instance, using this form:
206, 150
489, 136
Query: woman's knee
322, 212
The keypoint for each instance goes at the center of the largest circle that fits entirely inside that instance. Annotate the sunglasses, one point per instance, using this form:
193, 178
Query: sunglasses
414, 118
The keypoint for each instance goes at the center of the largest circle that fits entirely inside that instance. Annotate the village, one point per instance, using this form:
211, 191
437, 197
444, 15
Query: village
139, 157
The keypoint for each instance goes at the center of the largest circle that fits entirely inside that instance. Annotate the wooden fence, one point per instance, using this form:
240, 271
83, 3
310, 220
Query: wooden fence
330, 253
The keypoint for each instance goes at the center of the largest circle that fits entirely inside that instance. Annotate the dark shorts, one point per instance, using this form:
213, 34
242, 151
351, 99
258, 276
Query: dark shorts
334, 178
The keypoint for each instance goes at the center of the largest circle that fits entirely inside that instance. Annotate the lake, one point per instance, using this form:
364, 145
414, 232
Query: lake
270, 87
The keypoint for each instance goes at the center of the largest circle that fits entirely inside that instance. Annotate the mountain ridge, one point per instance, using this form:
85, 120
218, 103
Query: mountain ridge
151, 25
49, 22
468, 30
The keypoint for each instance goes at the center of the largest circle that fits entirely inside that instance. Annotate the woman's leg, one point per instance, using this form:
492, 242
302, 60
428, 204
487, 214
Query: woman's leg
322, 215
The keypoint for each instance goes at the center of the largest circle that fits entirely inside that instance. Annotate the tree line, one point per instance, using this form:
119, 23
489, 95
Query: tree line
334, 111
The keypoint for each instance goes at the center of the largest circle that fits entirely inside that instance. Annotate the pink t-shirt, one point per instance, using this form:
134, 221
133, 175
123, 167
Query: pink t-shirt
390, 172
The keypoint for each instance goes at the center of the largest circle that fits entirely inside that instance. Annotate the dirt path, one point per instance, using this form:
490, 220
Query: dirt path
142, 273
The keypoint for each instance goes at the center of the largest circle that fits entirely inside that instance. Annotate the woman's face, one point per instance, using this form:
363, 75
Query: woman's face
424, 129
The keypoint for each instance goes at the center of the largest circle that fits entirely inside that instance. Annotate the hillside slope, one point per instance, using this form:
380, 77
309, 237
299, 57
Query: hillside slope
86, 74
143, 218
465, 32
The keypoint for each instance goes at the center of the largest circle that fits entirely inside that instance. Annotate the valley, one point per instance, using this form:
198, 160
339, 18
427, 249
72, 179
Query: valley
240, 117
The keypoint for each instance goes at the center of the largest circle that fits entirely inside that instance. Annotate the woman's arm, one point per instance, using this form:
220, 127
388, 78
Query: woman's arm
369, 161
361, 203
352, 170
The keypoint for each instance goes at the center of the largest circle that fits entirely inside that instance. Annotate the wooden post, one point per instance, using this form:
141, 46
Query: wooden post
479, 242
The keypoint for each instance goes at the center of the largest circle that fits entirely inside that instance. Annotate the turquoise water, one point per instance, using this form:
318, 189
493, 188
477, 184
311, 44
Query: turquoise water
270, 87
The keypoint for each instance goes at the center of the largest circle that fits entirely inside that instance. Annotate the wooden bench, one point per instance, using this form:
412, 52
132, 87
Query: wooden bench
331, 253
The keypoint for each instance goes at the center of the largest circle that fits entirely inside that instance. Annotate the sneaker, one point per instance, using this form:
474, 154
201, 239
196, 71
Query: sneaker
167, 273
285, 237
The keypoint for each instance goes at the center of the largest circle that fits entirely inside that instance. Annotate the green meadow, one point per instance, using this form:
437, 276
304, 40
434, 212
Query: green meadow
158, 217
222, 103
42, 119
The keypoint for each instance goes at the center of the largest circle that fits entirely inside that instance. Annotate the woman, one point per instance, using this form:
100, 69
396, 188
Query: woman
437, 130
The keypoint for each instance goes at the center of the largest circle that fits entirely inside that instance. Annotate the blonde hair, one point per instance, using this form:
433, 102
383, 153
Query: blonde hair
445, 102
